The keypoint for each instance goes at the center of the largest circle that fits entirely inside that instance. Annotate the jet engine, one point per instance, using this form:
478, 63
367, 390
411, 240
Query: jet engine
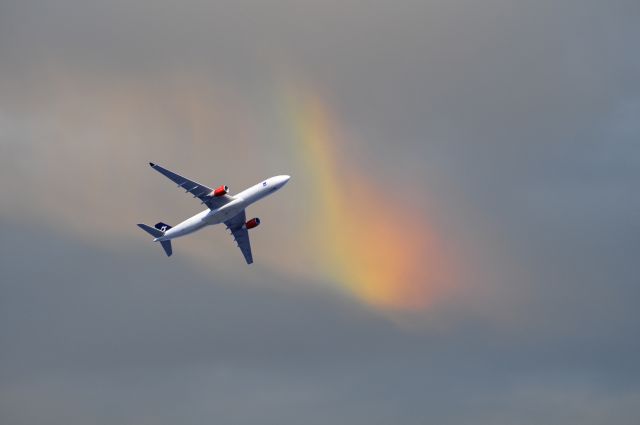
254, 222
222, 190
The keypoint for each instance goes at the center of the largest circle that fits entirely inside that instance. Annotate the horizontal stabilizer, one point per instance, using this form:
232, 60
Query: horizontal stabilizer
166, 245
152, 231
157, 232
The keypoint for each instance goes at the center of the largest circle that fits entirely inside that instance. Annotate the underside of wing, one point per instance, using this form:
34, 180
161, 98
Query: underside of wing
206, 194
236, 226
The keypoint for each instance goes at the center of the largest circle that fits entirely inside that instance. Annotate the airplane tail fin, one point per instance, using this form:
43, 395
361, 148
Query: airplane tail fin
157, 232
162, 227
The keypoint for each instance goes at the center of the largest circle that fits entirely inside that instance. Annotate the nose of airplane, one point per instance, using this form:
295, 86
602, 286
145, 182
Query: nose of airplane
284, 179
279, 181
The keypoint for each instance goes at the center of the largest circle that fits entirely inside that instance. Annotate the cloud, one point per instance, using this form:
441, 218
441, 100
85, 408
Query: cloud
92, 340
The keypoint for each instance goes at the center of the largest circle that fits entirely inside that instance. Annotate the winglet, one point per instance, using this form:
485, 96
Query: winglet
152, 164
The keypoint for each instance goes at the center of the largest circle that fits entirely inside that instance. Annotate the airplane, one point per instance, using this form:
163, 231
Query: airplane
222, 208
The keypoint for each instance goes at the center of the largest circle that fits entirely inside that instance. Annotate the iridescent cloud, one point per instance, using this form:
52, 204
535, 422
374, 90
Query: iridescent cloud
371, 241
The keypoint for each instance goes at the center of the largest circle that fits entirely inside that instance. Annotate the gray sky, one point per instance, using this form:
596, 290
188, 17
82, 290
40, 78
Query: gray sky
487, 150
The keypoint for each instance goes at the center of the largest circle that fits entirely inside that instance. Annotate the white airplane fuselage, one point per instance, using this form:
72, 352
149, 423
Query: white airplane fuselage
226, 212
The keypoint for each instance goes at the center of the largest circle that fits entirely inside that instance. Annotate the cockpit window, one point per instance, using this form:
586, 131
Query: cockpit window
264, 184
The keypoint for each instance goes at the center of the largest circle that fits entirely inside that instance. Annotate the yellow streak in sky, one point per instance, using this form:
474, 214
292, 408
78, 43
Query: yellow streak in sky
378, 247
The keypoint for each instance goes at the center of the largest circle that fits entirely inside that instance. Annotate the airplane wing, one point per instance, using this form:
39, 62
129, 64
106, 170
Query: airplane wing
240, 234
198, 190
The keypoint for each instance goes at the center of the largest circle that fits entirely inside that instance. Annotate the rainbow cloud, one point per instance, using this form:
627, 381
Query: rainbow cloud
390, 259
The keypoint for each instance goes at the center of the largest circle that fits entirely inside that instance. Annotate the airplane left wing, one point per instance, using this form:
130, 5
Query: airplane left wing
236, 226
198, 190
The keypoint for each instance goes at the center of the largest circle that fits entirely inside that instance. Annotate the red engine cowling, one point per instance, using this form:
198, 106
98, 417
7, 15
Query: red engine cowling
254, 222
222, 190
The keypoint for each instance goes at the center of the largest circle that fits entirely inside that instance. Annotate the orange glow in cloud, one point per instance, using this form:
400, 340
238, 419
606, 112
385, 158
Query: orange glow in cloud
365, 237
378, 247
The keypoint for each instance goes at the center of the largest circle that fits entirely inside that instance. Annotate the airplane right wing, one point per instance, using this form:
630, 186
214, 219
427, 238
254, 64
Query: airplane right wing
236, 226
198, 190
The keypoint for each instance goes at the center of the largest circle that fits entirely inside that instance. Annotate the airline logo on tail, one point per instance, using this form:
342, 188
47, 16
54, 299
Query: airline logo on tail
162, 227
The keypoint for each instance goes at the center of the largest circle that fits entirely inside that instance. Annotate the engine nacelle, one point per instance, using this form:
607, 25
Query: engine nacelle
254, 222
221, 191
